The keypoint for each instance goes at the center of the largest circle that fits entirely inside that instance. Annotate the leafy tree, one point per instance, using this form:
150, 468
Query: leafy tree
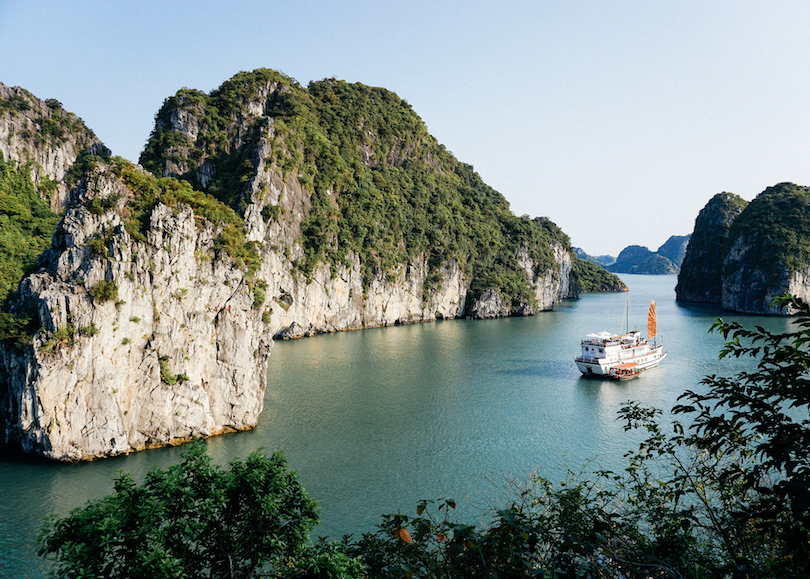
763, 418
105, 291
193, 519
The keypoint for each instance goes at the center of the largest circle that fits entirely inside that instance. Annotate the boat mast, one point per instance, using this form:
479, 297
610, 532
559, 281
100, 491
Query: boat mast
626, 311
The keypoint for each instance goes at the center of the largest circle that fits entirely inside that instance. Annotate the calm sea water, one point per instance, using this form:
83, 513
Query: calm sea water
375, 420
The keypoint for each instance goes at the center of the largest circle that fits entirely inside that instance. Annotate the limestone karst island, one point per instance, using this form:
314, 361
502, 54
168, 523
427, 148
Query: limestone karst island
141, 301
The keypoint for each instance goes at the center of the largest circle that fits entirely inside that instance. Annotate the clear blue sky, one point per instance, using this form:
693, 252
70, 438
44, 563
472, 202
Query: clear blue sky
618, 120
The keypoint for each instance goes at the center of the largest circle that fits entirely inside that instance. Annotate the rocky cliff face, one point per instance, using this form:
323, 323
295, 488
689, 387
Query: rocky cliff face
769, 250
144, 344
743, 255
43, 136
700, 279
280, 192
156, 307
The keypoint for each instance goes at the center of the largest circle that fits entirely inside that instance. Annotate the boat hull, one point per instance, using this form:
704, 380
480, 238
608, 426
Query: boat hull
601, 367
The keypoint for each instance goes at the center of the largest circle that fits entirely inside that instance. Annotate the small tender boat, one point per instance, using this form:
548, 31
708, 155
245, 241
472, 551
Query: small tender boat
623, 356
625, 371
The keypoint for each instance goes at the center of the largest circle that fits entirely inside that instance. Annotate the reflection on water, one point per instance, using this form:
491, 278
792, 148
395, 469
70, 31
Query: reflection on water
376, 420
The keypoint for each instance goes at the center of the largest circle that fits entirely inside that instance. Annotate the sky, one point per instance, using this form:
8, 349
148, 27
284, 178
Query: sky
617, 120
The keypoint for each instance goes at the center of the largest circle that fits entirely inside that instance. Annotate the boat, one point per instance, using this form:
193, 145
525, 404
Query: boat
621, 356
626, 371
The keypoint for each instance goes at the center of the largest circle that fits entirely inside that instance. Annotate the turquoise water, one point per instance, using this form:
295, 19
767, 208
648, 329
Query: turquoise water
375, 420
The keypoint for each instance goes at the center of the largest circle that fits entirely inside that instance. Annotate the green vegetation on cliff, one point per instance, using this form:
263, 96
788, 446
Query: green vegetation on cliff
775, 230
591, 277
742, 254
379, 185
148, 190
51, 124
26, 225
700, 279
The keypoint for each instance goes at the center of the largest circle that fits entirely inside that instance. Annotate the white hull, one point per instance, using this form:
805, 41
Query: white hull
602, 367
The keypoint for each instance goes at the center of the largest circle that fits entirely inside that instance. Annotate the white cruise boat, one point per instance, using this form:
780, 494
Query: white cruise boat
622, 356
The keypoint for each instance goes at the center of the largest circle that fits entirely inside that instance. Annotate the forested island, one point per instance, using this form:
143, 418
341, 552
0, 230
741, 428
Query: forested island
744, 255
637, 259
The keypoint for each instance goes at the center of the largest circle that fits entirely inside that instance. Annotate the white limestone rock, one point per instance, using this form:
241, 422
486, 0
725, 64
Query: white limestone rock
43, 136
99, 391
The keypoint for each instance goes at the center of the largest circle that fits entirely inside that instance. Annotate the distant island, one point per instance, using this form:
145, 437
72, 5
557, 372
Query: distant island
640, 260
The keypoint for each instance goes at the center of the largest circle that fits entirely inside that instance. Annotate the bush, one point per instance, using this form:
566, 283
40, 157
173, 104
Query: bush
64, 336
258, 297
98, 245
105, 291
193, 519
98, 206
88, 331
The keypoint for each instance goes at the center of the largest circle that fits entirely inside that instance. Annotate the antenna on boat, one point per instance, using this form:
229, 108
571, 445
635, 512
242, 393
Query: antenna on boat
626, 310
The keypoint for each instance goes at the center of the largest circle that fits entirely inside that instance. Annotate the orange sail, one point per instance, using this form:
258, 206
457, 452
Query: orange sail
651, 330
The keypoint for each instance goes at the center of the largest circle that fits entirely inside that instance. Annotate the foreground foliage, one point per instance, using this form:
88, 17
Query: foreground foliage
191, 520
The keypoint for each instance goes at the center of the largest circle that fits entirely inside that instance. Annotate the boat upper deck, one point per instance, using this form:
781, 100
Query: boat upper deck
606, 339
